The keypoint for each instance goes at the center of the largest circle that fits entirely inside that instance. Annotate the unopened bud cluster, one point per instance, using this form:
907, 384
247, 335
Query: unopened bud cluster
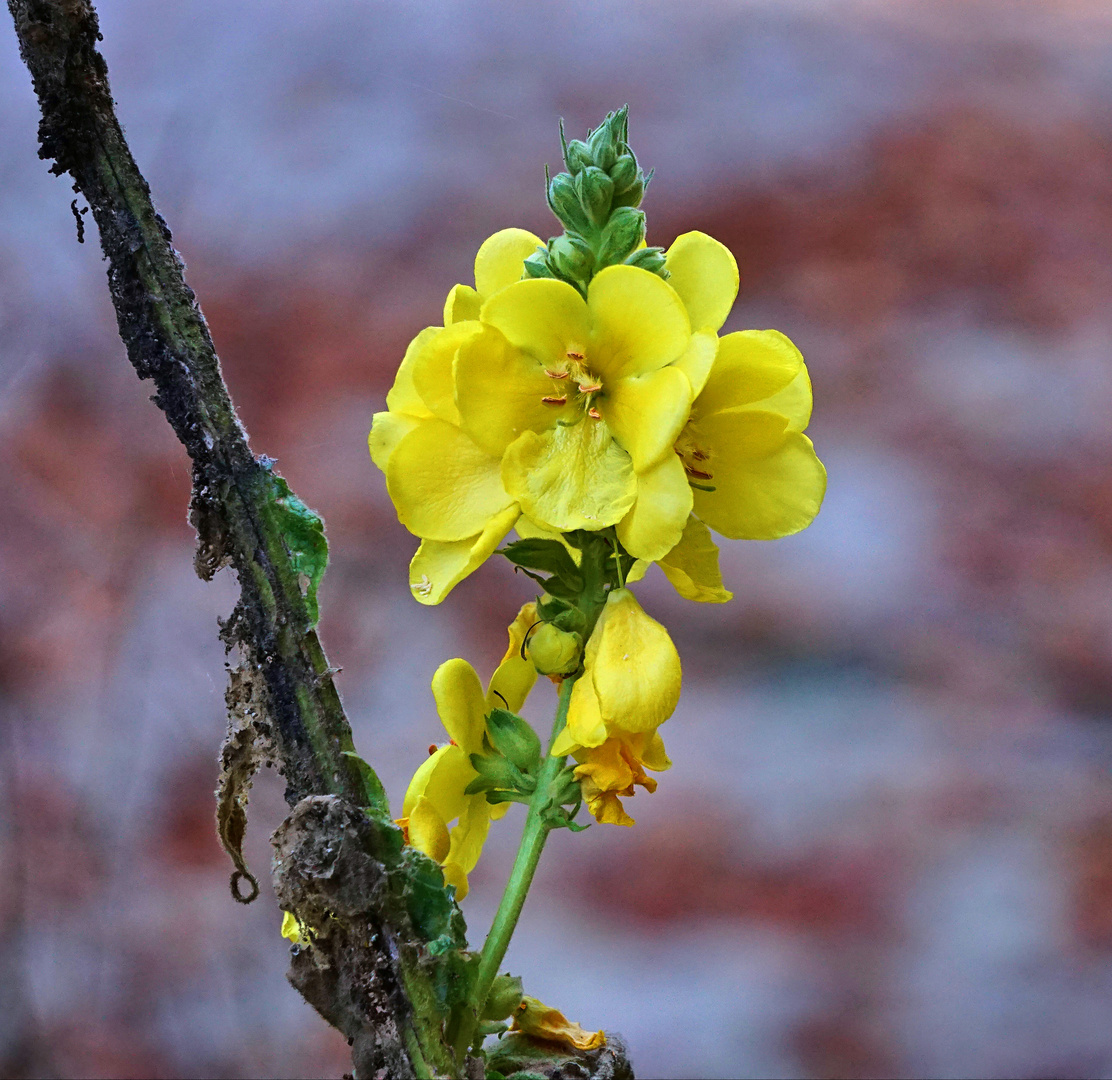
596, 201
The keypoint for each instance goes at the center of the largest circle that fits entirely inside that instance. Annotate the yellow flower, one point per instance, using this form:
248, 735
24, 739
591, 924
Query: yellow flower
535, 1018
742, 465
576, 397
614, 768
293, 930
436, 796
446, 489
630, 685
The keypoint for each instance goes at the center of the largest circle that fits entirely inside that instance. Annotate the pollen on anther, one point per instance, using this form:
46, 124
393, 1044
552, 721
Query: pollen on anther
574, 355
554, 400
594, 414
698, 473
589, 388
556, 374
432, 749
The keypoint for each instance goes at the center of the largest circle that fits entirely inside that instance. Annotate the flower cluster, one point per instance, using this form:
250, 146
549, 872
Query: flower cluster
581, 394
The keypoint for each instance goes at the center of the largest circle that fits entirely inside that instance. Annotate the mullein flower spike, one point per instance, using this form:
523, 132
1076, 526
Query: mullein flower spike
579, 392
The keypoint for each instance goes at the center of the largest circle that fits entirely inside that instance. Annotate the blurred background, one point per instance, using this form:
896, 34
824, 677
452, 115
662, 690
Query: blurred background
885, 848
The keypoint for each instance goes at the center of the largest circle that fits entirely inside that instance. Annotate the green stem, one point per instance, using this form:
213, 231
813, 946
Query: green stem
521, 877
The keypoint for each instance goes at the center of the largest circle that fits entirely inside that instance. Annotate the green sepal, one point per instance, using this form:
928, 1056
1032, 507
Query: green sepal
649, 258
505, 996
303, 536
560, 613
373, 791
515, 739
498, 773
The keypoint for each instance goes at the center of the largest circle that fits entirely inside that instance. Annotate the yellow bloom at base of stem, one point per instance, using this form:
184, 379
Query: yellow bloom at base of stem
436, 795
540, 1021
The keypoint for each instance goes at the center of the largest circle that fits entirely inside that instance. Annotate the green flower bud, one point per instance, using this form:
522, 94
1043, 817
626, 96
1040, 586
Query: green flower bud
514, 739
649, 258
623, 232
595, 190
571, 258
577, 156
536, 266
554, 651
504, 997
605, 143
629, 184
564, 202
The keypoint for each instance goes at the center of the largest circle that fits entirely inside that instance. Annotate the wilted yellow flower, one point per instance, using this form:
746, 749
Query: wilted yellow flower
630, 685
574, 397
446, 489
436, 794
535, 1018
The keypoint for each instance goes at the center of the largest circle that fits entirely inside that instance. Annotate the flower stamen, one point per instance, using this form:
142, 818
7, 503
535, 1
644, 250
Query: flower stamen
555, 400
594, 414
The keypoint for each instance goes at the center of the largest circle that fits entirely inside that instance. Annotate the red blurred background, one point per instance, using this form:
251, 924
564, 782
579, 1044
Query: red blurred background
886, 844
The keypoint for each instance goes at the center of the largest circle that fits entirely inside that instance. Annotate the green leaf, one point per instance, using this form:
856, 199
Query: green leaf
514, 739
428, 902
377, 802
504, 997
547, 556
303, 535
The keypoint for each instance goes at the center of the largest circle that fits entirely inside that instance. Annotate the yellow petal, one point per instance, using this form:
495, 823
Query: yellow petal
606, 767
646, 413
639, 569
542, 316
428, 831
292, 929
534, 1018
439, 566
698, 359
585, 724
456, 876
768, 482
442, 485
470, 834
635, 667
515, 675
652, 753
565, 743
500, 392
606, 807
751, 365
794, 402
500, 260
573, 477
432, 369
704, 273
403, 396
441, 781
655, 524
460, 703
692, 566
638, 323
387, 430
462, 305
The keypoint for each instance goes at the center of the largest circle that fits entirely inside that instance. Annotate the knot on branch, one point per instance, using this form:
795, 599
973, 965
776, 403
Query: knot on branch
325, 873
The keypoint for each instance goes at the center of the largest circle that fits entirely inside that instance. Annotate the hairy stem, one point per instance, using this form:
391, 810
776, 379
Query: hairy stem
521, 877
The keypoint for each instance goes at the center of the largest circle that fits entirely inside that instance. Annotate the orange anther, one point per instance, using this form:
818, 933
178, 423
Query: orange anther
590, 388
555, 400
432, 749
594, 414
556, 374
574, 355
697, 473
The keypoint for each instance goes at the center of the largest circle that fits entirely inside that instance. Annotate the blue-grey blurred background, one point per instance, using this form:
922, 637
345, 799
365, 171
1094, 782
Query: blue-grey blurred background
885, 848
